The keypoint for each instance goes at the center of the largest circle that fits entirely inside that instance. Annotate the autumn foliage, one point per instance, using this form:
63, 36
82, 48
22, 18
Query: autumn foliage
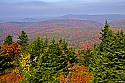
77, 74
10, 78
11, 51
8, 55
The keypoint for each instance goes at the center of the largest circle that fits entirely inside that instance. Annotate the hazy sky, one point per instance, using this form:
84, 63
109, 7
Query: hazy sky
50, 8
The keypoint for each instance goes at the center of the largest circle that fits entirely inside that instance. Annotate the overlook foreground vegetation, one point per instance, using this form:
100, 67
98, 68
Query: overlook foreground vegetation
51, 61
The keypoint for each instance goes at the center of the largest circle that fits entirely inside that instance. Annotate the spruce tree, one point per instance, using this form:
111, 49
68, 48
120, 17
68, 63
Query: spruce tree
23, 39
85, 57
105, 32
8, 40
48, 60
108, 64
106, 38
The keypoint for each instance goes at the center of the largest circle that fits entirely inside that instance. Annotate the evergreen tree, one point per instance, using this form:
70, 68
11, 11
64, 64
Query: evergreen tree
107, 36
23, 39
50, 63
48, 60
106, 32
67, 51
8, 40
108, 64
35, 49
85, 57
3, 63
46, 42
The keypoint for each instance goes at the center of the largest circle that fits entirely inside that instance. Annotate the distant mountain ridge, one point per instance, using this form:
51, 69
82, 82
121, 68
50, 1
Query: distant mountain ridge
71, 23
97, 18
55, 22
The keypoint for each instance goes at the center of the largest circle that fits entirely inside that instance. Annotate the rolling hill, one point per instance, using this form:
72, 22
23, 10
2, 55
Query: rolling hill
74, 31
78, 30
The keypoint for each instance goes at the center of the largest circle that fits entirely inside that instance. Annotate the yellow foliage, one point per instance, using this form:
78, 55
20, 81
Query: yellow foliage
25, 61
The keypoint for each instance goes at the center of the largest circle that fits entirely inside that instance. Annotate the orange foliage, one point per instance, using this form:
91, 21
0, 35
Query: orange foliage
76, 74
10, 78
11, 51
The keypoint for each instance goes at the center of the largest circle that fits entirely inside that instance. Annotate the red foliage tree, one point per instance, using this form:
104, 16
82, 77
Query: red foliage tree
11, 51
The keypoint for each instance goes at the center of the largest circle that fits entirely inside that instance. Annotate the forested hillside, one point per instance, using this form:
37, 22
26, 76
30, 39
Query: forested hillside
55, 61
78, 30
73, 31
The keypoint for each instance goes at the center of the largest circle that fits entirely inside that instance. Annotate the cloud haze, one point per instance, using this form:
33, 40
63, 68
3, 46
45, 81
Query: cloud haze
50, 8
